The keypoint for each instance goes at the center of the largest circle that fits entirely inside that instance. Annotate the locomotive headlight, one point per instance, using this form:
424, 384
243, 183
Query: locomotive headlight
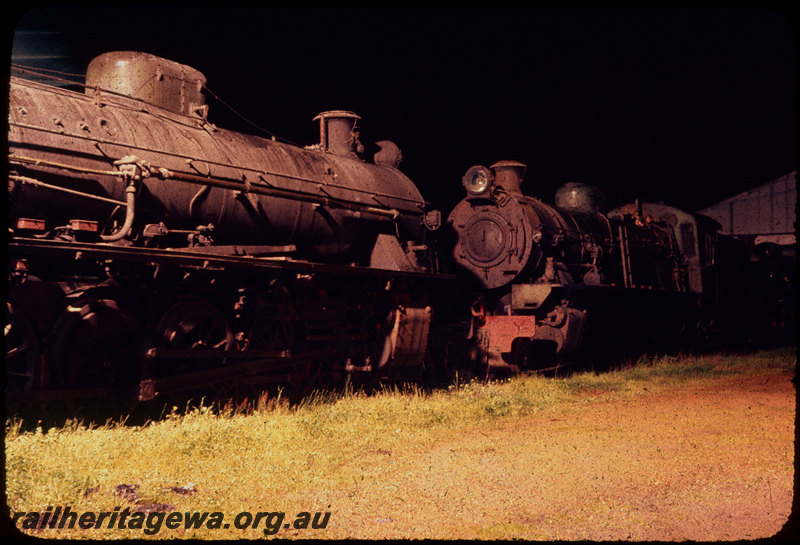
477, 180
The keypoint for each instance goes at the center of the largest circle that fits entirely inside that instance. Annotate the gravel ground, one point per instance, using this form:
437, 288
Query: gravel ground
709, 461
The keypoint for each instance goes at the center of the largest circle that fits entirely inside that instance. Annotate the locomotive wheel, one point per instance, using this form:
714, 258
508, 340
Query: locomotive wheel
189, 323
23, 361
97, 350
267, 320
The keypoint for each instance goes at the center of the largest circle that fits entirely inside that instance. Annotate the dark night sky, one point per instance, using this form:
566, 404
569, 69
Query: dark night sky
686, 106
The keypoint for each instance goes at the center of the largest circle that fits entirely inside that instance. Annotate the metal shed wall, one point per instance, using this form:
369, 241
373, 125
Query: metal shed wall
767, 212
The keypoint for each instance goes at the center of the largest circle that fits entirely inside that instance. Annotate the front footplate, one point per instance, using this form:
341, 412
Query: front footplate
521, 342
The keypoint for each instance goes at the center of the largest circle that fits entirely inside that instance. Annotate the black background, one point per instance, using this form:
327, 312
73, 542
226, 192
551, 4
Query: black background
686, 106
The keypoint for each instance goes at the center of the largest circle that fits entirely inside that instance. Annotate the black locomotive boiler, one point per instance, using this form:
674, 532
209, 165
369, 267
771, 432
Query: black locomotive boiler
550, 281
152, 252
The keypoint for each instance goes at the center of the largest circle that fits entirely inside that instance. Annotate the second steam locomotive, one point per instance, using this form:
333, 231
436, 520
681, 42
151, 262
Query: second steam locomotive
550, 280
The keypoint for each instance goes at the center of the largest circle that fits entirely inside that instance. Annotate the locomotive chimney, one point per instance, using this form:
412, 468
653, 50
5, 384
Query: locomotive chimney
508, 175
338, 134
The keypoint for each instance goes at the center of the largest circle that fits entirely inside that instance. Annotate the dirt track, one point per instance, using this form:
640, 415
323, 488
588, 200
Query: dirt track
708, 462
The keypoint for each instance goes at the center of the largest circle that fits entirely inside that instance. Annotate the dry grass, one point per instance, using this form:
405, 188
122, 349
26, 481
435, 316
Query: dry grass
329, 453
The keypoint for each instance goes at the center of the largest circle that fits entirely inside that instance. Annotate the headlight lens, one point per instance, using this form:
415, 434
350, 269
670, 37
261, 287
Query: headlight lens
477, 180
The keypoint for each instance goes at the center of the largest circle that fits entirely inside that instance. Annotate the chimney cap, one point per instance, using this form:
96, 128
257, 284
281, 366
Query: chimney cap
500, 164
336, 113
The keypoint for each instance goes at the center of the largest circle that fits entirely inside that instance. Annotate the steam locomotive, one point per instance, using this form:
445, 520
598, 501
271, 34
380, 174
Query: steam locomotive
152, 252
555, 282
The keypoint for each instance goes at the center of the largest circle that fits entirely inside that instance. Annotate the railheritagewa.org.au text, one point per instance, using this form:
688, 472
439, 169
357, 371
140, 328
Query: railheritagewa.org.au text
151, 523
